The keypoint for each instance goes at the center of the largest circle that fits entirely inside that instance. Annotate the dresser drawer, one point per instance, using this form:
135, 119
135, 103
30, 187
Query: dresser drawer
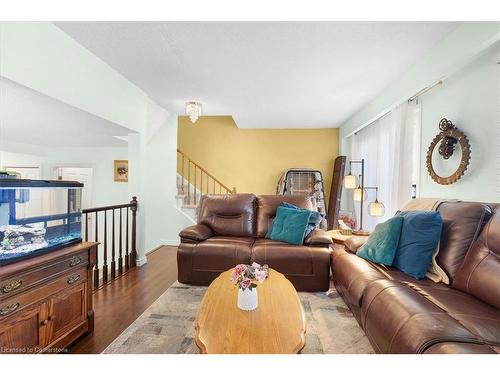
36, 295
10, 286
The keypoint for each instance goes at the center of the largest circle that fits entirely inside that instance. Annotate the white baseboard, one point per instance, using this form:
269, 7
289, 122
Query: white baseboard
141, 261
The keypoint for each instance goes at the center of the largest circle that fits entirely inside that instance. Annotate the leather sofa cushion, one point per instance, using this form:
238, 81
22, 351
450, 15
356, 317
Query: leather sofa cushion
221, 253
352, 274
478, 317
228, 215
196, 233
353, 243
286, 258
318, 237
397, 319
308, 268
460, 348
268, 204
395, 274
462, 224
480, 272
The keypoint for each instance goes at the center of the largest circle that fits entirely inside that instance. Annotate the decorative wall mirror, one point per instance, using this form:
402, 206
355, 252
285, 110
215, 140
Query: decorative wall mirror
448, 139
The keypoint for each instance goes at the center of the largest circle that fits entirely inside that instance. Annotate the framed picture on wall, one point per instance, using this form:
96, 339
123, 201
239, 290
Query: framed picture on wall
121, 171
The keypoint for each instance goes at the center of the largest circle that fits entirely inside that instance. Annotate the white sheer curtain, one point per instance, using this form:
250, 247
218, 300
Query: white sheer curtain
391, 149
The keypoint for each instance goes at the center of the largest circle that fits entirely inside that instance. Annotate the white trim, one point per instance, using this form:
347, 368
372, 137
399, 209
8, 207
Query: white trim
141, 261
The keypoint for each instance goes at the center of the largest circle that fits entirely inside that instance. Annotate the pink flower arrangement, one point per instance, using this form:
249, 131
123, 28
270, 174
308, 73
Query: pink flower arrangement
243, 275
349, 220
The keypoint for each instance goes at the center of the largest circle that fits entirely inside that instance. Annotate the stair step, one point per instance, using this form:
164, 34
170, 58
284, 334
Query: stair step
189, 205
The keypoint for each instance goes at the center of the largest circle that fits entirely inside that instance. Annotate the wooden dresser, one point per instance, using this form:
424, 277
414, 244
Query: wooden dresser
46, 301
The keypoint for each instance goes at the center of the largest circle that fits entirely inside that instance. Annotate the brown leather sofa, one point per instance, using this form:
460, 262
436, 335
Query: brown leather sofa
400, 314
231, 230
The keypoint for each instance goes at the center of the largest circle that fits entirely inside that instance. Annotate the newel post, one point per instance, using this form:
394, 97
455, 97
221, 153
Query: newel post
133, 254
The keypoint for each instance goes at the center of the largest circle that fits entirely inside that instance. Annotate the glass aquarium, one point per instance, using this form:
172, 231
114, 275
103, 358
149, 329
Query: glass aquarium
37, 216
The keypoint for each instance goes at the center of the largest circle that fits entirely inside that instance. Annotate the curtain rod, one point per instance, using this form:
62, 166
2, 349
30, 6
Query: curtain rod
425, 89
479, 51
387, 111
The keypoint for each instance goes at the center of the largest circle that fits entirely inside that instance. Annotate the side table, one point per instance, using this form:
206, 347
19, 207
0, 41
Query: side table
337, 237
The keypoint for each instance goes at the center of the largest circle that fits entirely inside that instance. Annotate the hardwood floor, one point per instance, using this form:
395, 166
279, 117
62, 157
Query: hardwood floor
119, 303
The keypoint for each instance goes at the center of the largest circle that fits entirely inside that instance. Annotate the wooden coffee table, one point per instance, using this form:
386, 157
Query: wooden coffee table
276, 326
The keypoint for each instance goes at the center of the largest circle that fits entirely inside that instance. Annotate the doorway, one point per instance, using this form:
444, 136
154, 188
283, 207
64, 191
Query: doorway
84, 175
81, 174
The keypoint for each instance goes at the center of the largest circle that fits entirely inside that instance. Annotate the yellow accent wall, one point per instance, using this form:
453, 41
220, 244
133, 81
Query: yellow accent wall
252, 160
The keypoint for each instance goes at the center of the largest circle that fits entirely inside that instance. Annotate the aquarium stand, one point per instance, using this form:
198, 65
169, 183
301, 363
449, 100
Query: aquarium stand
46, 301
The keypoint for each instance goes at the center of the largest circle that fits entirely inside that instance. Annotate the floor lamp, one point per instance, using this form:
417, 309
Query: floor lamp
360, 192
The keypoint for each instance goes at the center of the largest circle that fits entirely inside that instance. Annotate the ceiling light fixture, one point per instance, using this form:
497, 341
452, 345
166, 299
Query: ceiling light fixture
193, 110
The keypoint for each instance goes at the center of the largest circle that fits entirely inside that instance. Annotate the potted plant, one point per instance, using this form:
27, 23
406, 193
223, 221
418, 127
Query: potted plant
245, 278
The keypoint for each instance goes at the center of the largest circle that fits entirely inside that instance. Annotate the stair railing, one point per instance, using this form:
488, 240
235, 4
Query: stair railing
115, 224
194, 180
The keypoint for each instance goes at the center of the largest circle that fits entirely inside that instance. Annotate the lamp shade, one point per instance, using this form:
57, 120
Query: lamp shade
376, 209
350, 181
357, 194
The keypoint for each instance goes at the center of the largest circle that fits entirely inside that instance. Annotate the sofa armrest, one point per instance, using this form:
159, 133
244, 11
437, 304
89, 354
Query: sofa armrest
197, 233
318, 237
352, 244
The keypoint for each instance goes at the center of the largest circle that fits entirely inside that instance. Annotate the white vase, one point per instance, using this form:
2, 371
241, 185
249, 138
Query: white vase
248, 299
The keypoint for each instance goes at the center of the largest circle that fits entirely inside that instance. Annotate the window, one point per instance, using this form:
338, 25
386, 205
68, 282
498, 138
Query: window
391, 149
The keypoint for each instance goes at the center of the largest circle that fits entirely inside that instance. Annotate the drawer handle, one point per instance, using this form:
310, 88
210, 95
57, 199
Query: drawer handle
73, 279
9, 309
13, 285
75, 261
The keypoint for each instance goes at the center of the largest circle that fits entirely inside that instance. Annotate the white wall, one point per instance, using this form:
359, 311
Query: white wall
466, 61
40, 56
153, 178
470, 99
100, 159
453, 53
163, 220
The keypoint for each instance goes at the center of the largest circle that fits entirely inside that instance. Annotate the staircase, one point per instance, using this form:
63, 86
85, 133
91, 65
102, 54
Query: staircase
193, 181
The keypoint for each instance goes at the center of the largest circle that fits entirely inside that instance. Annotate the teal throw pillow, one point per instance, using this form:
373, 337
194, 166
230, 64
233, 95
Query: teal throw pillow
290, 225
383, 242
314, 220
420, 236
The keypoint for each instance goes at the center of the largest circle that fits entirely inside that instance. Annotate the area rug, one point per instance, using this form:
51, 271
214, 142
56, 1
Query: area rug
167, 326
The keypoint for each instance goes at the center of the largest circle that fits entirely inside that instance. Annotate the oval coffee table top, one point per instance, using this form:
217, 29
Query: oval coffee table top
276, 326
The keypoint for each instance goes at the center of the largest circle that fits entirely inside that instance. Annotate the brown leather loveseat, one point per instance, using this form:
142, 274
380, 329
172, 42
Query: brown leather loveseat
400, 314
231, 230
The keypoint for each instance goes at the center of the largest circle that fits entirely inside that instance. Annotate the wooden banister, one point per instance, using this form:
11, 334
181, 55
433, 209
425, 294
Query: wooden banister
118, 263
184, 157
196, 180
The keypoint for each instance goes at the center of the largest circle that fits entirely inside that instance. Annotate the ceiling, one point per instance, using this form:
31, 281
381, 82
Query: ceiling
264, 74
28, 116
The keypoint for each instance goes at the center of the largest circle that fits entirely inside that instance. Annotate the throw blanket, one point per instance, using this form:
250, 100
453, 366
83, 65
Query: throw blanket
435, 273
